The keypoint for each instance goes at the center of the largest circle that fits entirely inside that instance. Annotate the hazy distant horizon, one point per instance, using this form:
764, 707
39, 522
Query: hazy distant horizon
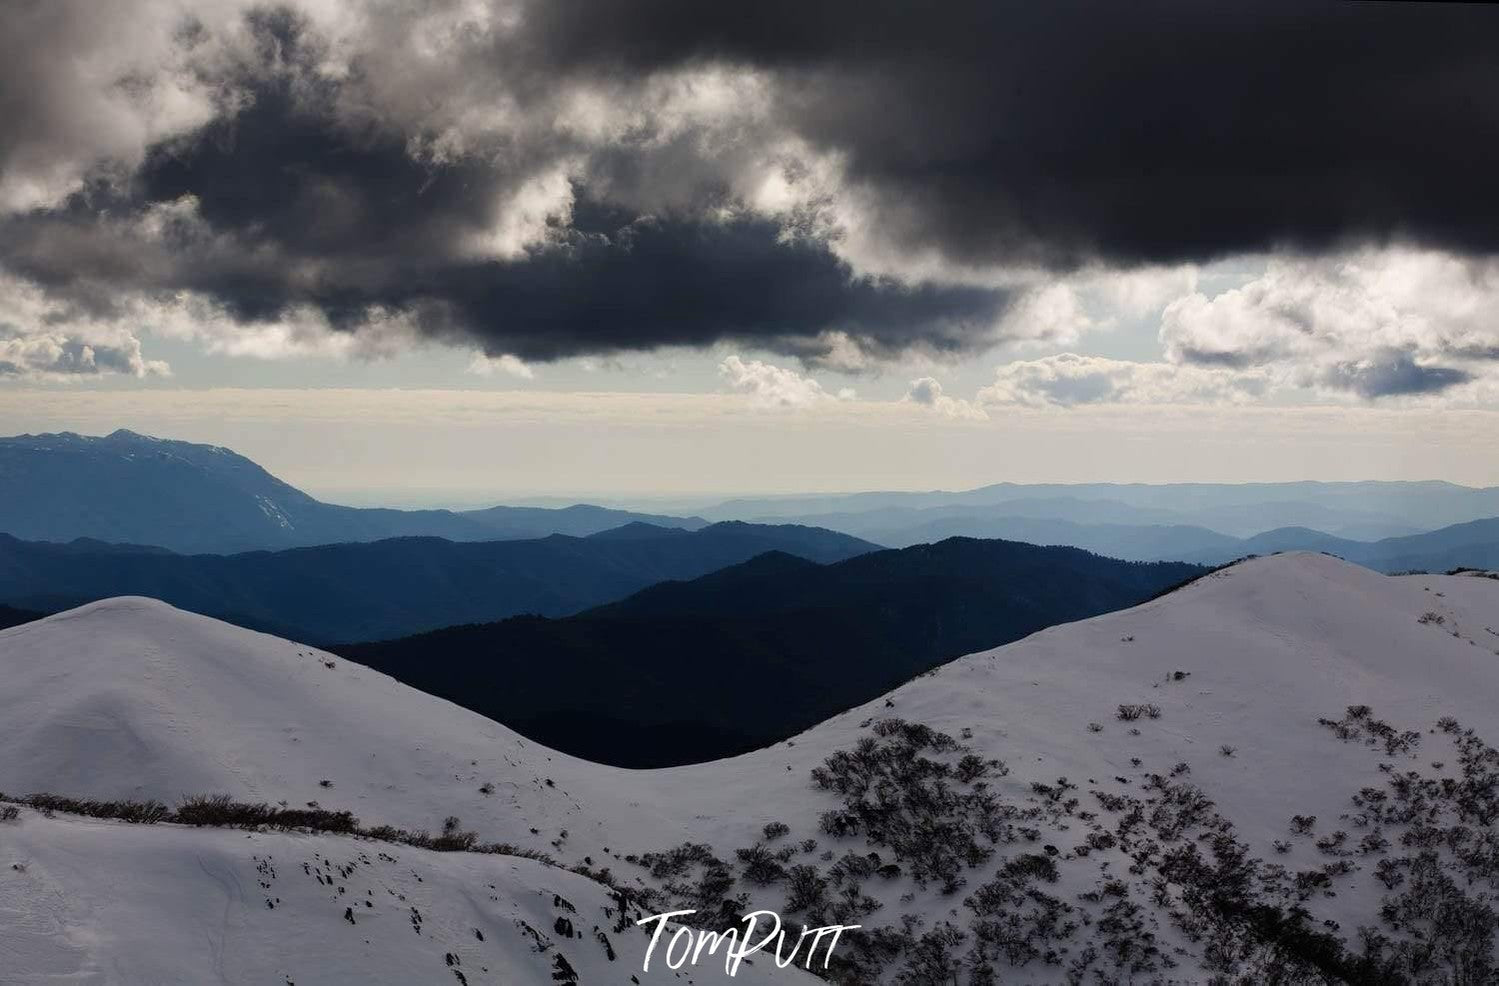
436, 445
319, 455
681, 502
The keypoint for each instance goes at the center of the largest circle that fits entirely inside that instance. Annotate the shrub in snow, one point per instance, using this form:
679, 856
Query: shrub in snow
1358, 723
934, 958
760, 865
140, 812
1169, 861
222, 810
1131, 712
775, 830
898, 791
807, 890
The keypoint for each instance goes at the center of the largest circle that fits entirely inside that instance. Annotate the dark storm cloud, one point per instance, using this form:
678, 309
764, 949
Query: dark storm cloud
1154, 131
281, 190
295, 205
658, 282
981, 134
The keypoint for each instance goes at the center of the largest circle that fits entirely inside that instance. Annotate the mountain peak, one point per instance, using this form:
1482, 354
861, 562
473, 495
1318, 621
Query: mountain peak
637, 529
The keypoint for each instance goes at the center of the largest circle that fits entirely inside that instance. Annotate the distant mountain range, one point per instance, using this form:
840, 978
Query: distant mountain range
1362, 511
747, 656
186, 497
1474, 544
390, 588
133, 489
1140, 541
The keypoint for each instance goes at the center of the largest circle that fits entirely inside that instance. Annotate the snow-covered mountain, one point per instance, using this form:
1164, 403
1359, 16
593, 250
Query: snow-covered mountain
1181, 782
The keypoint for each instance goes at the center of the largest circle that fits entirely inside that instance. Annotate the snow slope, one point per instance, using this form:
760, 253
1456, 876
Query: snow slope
87, 901
131, 698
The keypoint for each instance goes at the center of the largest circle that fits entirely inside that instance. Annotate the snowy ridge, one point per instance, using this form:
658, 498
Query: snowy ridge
130, 698
1229, 676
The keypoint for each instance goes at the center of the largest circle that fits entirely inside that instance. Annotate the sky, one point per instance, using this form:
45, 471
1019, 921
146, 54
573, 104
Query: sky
454, 251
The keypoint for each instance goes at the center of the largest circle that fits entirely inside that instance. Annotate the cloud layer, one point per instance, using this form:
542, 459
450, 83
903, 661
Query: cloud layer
1070, 380
1374, 323
831, 181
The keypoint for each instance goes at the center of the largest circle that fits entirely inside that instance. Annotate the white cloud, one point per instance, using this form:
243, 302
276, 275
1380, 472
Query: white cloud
43, 340
514, 366
927, 392
1070, 379
530, 215
1053, 314
67, 358
1135, 293
1377, 323
769, 385
838, 352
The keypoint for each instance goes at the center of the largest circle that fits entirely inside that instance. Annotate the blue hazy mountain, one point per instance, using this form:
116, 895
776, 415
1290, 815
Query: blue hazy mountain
130, 488
1379, 525
1471, 545
399, 586
1135, 542
1474, 544
1361, 510
133, 489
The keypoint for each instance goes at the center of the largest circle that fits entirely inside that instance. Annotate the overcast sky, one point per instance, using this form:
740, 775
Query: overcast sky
445, 250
